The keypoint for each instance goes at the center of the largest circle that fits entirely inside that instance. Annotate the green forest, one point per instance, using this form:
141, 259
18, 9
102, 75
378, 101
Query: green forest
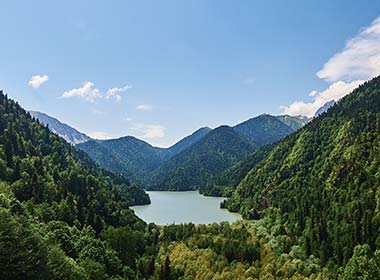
311, 200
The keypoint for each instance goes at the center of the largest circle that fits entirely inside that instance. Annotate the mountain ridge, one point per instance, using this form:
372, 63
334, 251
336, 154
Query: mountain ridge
70, 134
324, 178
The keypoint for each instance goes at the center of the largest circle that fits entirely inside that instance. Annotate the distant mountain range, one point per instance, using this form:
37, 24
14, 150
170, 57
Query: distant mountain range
68, 133
135, 158
219, 150
188, 164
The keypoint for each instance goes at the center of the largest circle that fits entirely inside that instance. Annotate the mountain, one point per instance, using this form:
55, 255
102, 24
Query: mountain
295, 122
107, 159
135, 158
186, 142
225, 183
129, 156
54, 203
197, 168
68, 133
324, 179
219, 149
264, 129
324, 108
141, 162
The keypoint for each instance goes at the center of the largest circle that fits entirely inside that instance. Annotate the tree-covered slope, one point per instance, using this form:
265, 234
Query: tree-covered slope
264, 129
225, 183
54, 203
135, 158
39, 165
129, 156
107, 159
201, 168
218, 150
325, 178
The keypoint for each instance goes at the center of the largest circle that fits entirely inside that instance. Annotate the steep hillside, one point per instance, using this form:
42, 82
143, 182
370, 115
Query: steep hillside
108, 160
68, 133
54, 202
225, 183
218, 150
324, 178
264, 129
178, 172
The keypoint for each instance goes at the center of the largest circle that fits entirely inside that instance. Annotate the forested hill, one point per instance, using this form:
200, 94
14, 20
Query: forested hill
202, 165
219, 149
133, 157
128, 155
324, 178
225, 183
39, 165
264, 129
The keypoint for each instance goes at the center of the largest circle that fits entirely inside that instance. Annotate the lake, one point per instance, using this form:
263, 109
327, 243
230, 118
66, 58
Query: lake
183, 207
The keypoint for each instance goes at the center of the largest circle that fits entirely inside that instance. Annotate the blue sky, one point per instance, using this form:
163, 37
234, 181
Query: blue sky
159, 70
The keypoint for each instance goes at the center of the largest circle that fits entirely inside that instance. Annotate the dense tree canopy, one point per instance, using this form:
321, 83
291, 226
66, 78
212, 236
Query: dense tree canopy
314, 198
324, 178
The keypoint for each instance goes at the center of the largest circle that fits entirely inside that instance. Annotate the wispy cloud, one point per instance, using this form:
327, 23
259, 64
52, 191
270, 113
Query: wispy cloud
38, 80
148, 131
358, 61
144, 107
88, 92
115, 92
334, 92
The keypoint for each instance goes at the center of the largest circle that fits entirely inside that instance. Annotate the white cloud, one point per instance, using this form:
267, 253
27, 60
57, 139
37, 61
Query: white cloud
87, 91
100, 135
346, 70
149, 131
38, 80
360, 58
115, 92
313, 93
144, 107
90, 93
334, 92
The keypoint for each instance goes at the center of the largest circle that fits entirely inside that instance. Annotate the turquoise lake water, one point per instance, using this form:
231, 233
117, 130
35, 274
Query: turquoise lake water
183, 207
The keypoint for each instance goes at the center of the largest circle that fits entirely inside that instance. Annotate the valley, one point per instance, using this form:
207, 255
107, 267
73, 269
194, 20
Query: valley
270, 187
190, 140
